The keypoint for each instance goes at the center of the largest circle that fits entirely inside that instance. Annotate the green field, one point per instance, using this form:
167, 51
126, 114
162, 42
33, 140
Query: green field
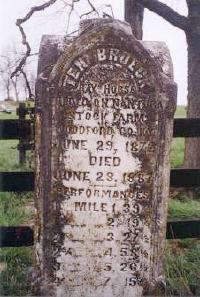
182, 256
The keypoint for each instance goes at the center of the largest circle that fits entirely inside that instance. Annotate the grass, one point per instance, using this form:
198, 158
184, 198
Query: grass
14, 279
16, 262
8, 116
177, 152
9, 155
182, 270
178, 144
182, 257
180, 112
9, 160
182, 260
187, 208
15, 210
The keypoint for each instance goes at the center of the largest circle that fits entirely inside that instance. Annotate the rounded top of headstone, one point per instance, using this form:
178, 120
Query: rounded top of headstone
89, 24
160, 52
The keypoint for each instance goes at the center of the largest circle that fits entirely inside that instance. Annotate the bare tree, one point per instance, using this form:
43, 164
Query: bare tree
5, 72
28, 83
6, 82
12, 85
19, 69
191, 26
15, 83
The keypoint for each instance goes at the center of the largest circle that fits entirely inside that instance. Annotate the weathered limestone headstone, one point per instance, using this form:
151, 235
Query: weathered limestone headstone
103, 131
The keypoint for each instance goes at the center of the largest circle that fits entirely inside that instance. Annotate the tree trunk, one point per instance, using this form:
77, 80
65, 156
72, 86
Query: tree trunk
192, 148
134, 16
8, 90
14, 83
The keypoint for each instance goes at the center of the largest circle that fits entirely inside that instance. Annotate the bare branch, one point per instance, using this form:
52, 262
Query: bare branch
70, 13
106, 15
93, 9
92, 6
73, 32
30, 95
110, 6
27, 54
19, 23
34, 54
33, 10
66, 3
167, 13
68, 19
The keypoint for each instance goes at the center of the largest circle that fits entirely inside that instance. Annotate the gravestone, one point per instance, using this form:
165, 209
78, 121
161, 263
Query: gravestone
104, 114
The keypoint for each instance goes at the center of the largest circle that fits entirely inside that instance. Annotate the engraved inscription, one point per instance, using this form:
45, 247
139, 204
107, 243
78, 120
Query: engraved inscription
108, 161
104, 122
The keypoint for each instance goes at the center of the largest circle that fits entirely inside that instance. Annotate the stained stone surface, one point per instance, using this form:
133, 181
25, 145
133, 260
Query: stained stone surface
103, 131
